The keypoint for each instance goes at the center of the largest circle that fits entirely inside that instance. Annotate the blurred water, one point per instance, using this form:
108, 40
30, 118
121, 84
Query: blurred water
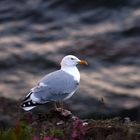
36, 34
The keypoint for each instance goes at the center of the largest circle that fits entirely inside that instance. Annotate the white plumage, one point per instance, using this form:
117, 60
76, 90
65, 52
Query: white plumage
56, 86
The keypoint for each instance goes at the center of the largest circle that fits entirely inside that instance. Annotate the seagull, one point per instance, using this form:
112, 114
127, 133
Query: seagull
57, 86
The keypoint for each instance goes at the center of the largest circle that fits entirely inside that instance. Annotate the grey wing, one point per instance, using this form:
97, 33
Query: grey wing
55, 86
41, 93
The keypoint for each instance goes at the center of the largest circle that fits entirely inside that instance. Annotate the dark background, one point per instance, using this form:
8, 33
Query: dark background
36, 34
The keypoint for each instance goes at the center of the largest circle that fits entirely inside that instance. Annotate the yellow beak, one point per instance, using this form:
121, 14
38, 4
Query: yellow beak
82, 62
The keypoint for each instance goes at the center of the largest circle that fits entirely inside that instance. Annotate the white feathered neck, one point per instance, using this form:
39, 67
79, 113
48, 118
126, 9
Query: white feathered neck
72, 70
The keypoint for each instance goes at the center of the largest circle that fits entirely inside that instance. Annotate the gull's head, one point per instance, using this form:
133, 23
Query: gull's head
71, 61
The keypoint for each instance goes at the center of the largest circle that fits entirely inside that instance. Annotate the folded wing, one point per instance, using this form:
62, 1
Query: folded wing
56, 86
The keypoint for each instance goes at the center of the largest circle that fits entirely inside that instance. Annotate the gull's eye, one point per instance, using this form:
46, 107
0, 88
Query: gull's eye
72, 58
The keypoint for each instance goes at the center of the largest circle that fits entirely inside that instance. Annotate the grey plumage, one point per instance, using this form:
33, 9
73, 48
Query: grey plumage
56, 86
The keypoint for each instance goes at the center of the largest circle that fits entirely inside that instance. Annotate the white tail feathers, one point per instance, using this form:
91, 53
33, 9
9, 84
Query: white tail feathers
30, 102
28, 108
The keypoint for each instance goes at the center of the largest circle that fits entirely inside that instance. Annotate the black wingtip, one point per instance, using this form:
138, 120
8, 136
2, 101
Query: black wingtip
29, 104
27, 97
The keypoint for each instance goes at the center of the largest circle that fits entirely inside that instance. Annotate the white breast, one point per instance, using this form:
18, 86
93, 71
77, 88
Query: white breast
72, 71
